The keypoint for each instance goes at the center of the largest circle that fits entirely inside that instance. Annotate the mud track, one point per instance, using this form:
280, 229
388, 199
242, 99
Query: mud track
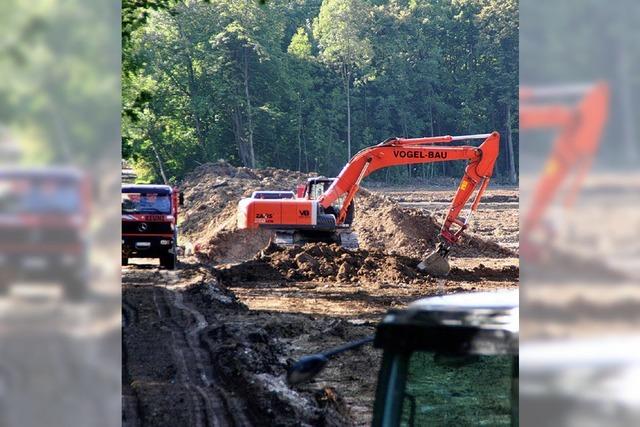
193, 387
193, 355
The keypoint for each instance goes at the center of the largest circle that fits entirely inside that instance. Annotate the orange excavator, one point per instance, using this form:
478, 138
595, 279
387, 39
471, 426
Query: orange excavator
323, 209
578, 126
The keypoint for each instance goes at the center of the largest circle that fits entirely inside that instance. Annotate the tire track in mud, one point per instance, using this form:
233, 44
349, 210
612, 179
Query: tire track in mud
219, 402
184, 325
130, 416
204, 408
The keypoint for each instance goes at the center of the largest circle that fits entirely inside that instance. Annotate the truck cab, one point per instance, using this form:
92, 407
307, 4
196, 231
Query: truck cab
149, 223
450, 360
43, 228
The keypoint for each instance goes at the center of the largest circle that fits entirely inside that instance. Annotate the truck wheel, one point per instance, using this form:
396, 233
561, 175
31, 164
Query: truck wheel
125, 261
168, 261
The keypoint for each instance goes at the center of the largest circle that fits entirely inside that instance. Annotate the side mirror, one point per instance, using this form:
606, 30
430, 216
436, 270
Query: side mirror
181, 199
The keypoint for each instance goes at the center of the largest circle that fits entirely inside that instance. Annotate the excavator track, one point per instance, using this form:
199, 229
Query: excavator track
347, 239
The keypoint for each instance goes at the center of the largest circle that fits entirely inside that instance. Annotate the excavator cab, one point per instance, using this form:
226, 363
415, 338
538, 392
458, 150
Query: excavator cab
316, 187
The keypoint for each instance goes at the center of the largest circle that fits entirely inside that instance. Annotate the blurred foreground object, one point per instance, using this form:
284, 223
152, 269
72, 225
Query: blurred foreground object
450, 360
59, 230
43, 227
585, 382
578, 131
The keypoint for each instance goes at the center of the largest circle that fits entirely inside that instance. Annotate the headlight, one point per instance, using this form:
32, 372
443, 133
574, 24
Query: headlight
165, 242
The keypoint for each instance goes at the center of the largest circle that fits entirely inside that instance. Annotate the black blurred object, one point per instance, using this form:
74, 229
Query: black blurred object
308, 367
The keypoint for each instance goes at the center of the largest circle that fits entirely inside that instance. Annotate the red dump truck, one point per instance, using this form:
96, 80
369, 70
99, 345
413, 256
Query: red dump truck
149, 223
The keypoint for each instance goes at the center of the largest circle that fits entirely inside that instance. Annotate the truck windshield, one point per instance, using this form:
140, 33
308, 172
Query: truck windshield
39, 195
146, 203
458, 390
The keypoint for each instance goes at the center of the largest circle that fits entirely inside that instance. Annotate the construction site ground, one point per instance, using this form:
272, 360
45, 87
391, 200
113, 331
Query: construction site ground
210, 343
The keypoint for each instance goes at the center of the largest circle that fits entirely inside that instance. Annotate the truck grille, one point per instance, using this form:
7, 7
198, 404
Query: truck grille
138, 227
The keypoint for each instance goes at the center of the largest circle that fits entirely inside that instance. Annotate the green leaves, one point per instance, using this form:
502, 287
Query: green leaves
205, 81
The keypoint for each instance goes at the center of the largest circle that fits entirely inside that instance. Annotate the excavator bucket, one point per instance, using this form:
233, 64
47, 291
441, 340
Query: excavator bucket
436, 263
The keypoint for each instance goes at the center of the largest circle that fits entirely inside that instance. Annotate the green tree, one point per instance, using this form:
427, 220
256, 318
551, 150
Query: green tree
340, 31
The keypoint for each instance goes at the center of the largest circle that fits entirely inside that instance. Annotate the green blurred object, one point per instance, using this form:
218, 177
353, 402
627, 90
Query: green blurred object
450, 361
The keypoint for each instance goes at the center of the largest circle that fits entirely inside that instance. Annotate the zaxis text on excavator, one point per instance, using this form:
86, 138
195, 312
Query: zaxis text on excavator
323, 210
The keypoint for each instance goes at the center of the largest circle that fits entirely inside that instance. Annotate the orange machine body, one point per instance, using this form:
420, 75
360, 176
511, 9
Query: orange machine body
278, 213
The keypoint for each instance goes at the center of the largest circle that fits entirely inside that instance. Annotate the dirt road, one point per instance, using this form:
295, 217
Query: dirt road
210, 344
194, 355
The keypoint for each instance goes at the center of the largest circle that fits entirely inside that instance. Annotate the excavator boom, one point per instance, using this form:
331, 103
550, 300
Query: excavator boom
401, 151
578, 129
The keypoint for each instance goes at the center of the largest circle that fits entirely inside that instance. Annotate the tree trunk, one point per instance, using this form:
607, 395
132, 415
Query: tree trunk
245, 69
346, 80
512, 161
299, 134
196, 116
160, 165
348, 117
238, 133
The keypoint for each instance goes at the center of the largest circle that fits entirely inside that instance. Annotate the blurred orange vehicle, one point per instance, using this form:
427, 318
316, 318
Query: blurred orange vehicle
578, 126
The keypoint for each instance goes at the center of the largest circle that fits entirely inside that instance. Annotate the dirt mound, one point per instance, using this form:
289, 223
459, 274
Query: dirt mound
213, 190
331, 263
411, 232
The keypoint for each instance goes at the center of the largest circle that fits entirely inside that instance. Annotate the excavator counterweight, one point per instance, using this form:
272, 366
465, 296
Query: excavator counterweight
324, 209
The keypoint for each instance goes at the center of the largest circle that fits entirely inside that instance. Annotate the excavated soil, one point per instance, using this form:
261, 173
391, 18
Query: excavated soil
330, 263
213, 190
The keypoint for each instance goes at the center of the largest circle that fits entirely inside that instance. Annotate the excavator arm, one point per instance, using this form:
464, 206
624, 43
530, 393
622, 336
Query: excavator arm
404, 151
579, 128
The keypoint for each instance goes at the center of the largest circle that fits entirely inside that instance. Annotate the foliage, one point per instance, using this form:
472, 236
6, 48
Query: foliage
296, 84
60, 67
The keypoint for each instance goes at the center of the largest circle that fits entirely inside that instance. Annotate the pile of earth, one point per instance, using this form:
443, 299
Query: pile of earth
382, 224
331, 263
212, 192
